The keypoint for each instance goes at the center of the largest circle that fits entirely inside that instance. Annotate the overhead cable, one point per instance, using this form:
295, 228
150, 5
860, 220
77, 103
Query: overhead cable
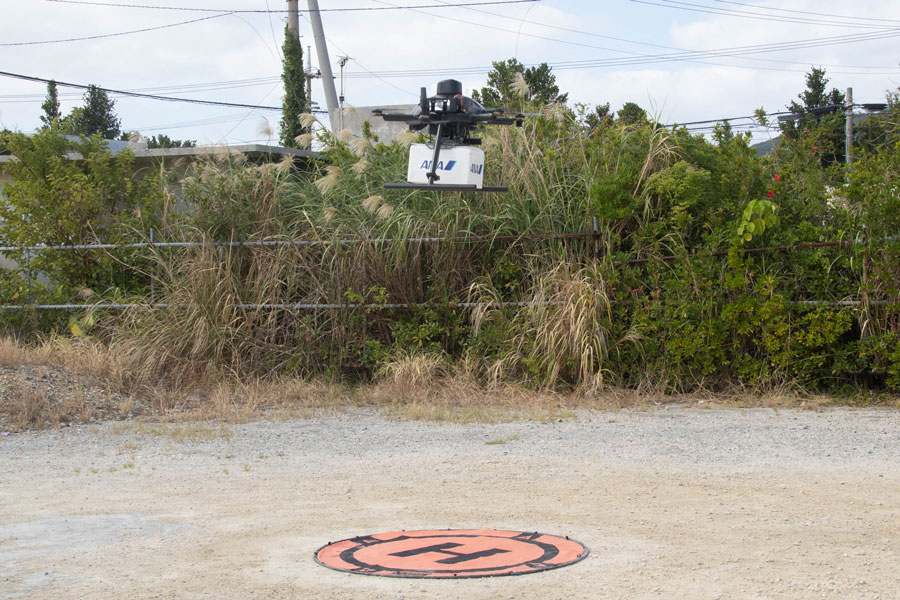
260, 11
701, 8
640, 43
806, 12
136, 94
109, 35
683, 56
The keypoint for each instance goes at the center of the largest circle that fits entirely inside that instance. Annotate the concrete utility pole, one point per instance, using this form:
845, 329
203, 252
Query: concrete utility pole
315, 18
294, 19
848, 127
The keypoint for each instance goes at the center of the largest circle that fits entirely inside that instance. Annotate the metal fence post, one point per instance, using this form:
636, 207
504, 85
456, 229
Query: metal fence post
152, 274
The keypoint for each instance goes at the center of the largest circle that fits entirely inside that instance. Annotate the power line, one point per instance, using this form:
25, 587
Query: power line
372, 74
700, 8
636, 42
683, 56
183, 88
138, 95
806, 12
259, 11
109, 35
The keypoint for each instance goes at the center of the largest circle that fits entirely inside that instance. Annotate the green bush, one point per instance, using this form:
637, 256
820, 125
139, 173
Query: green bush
66, 192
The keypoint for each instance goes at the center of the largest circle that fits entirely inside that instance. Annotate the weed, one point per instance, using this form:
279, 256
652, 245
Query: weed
499, 441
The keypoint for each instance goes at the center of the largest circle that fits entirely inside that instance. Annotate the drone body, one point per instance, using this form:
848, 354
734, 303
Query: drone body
451, 162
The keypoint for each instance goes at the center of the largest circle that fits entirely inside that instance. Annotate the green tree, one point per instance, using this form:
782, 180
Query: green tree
881, 131
597, 117
819, 119
55, 200
51, 115
98, 115
501, 85
294, 78
164, 141
71, 123
632, 114
816, 94
4, 141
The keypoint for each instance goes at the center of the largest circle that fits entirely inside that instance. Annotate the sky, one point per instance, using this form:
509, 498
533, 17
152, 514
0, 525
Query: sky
683, 61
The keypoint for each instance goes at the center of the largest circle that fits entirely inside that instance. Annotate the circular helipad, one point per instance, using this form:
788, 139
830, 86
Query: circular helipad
448, 553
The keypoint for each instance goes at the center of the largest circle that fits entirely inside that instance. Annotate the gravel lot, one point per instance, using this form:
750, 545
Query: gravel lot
673, 503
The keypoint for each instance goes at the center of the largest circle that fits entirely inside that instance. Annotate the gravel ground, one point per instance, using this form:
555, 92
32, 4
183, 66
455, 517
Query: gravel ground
673, 503
50, 394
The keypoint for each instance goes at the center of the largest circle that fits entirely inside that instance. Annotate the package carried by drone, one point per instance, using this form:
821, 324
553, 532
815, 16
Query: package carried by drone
457, 165
451, 161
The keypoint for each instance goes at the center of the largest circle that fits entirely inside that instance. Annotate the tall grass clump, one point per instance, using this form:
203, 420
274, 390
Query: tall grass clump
560, 335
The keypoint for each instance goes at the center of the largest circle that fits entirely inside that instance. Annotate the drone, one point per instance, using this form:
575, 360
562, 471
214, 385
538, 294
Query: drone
449, 118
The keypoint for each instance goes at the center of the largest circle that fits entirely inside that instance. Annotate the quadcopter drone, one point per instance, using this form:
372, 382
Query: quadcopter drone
449, 118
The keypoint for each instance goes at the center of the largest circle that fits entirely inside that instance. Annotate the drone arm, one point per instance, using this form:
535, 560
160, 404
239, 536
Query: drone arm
397, 117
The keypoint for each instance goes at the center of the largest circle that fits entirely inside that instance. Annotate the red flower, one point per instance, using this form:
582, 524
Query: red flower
770, 194
777, 177
815, 148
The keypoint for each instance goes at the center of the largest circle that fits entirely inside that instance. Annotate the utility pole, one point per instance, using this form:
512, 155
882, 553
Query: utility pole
315, 18
342, 61
309, 77
848, 127
294, 20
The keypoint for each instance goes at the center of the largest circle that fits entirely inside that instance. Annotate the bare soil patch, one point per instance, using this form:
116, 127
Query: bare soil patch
673, 502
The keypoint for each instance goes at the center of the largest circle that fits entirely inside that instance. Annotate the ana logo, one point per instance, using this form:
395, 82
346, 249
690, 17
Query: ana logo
477, 168
441, 166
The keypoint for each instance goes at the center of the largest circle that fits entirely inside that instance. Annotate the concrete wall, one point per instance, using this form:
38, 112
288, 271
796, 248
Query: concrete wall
354, 117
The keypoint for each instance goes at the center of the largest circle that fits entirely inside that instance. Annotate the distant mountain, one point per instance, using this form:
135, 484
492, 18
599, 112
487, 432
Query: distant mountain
767, 147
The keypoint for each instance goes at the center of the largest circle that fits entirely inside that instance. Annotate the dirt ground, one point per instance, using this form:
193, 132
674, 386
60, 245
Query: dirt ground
673, 503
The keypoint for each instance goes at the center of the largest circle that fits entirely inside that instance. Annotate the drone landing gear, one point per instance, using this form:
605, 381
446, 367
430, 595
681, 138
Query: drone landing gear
449, 187
432, 172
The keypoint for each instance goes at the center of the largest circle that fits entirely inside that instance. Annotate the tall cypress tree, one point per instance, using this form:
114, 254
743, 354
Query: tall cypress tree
51, 115
99, 116
294, 78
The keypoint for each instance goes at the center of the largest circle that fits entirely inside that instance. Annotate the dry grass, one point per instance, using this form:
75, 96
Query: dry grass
563, 332
25, 406
412, 387
410, 394
13, 354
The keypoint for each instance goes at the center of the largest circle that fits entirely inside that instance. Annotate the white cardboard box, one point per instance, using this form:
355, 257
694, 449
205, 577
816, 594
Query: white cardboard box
457, 165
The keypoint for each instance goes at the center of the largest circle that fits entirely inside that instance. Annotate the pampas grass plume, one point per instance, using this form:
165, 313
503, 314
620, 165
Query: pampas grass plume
360, 166
372, 203
326, 184
405, 138
359, 146
384, 211
520, 86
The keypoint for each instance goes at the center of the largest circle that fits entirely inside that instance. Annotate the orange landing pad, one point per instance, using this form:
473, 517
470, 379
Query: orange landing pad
449, 553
